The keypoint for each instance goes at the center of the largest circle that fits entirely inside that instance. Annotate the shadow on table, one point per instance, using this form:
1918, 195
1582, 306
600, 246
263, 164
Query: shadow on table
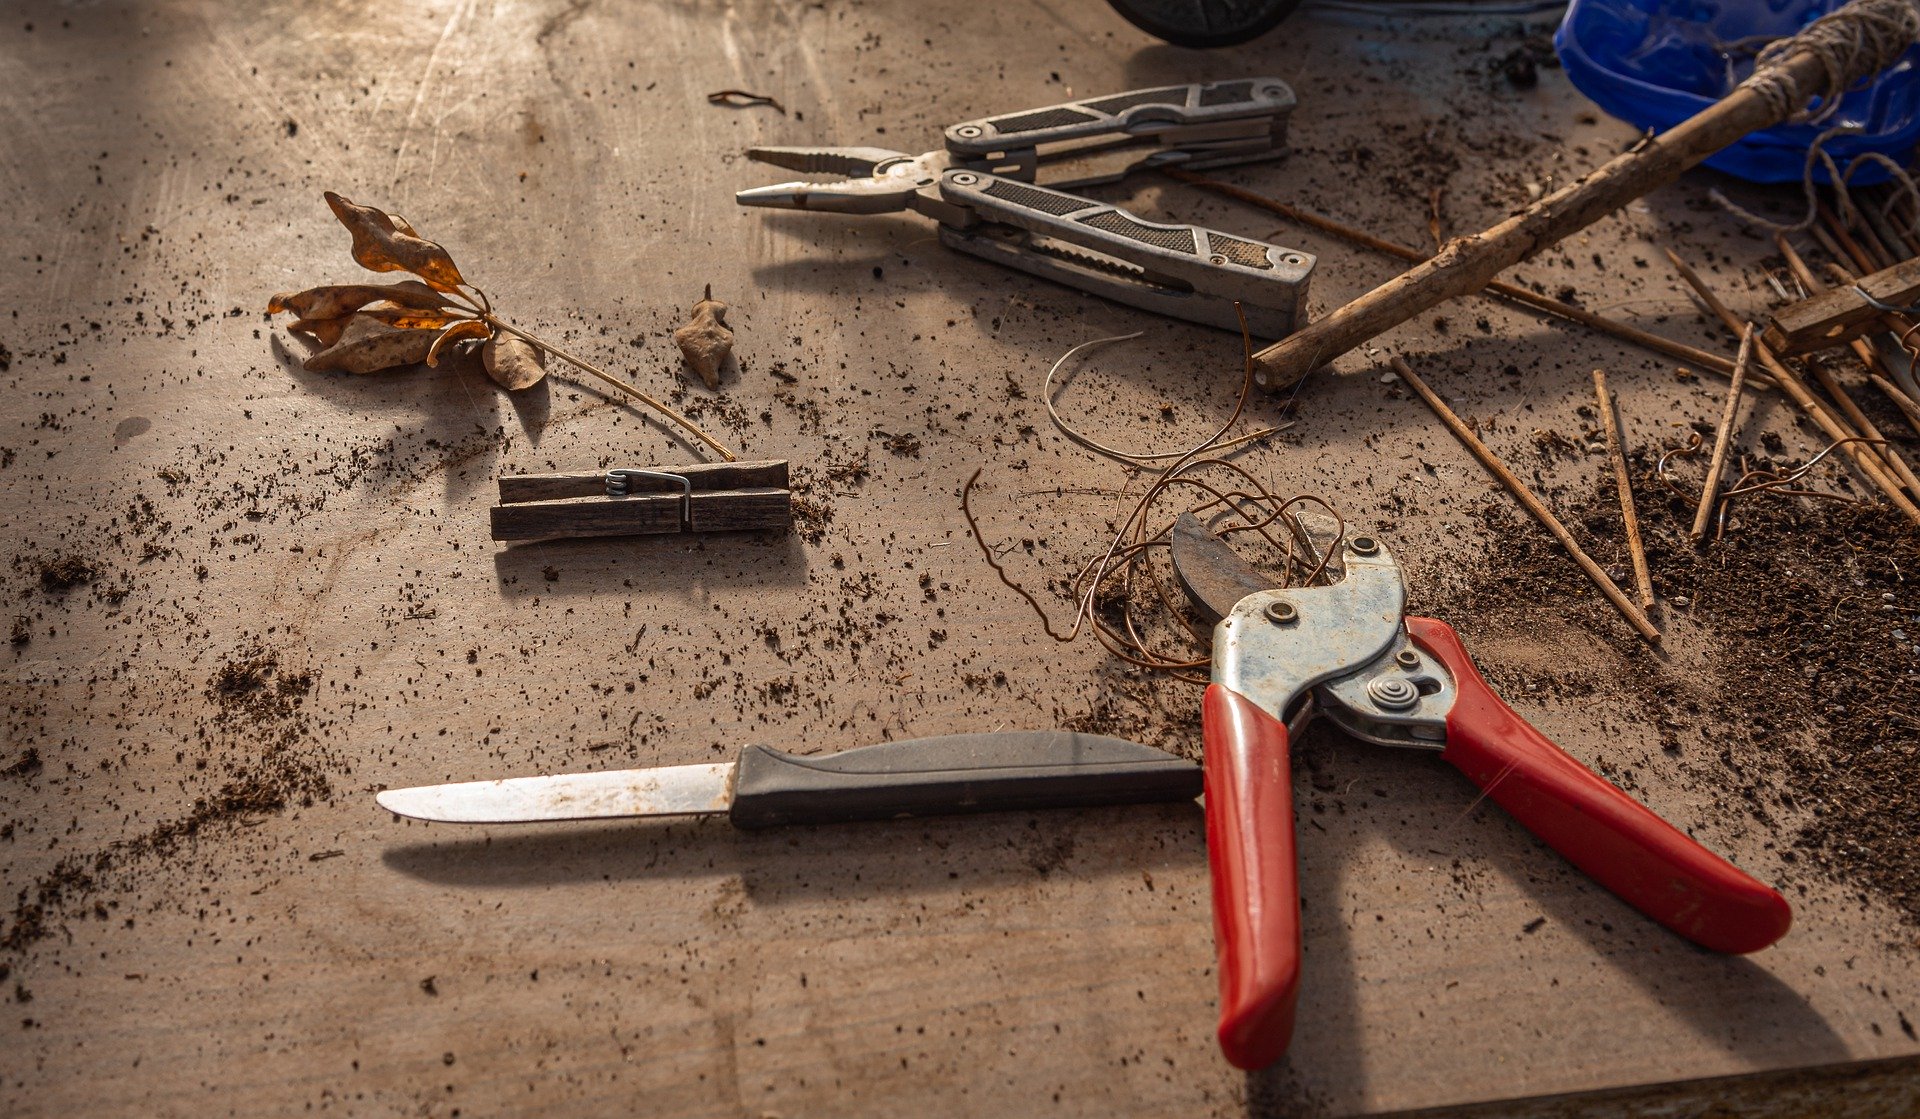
894, 858
1731, 1003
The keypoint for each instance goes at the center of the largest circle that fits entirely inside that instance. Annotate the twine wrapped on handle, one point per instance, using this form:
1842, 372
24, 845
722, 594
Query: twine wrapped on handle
1855, 40
1830, 55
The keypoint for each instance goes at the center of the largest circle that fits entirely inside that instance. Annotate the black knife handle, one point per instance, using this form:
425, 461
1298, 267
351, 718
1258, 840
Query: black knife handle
958, 773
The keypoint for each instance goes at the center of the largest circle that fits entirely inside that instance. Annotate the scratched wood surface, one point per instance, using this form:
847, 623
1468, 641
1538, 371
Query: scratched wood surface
292, 600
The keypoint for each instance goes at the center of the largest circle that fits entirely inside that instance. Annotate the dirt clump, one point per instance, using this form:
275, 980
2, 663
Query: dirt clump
63, 573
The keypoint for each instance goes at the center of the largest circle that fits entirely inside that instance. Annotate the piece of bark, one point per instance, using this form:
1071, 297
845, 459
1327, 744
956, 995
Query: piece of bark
707, 340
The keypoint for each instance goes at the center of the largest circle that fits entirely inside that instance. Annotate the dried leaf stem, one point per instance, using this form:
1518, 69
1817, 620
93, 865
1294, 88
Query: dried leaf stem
624, 386
1723, 438
1623, 481
1633, 614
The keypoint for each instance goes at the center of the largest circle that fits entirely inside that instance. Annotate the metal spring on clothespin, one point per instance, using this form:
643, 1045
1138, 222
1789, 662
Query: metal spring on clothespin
619, 486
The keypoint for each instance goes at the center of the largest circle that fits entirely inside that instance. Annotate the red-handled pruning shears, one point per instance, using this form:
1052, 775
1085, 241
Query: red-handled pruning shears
1348, 651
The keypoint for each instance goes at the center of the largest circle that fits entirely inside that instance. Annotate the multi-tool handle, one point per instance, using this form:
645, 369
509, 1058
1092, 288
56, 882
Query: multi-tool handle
1645, 861
1187, 271
1133, 113
1250, 859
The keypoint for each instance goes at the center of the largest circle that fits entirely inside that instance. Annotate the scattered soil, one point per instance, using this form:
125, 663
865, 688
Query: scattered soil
1806, 717
257, 715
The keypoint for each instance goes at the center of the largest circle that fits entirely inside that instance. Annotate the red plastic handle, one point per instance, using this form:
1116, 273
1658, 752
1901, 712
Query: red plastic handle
1601, 830
1256, 899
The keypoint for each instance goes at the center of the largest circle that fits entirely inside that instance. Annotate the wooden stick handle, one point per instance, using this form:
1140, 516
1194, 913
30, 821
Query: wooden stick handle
1534, 505
1511, 292
1466, 264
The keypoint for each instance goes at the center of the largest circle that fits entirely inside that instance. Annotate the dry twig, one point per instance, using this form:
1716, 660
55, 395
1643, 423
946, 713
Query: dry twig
1634, 616
1790, 383
1514, 293
1623, 480
1723, 437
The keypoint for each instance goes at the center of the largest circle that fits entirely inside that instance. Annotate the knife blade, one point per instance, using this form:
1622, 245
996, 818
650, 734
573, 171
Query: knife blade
764, 787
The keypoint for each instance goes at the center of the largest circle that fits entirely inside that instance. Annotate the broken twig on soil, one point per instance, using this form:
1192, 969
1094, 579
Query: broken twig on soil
1722, 438
1633, 614
1797, 391
1623, 480
1823, 60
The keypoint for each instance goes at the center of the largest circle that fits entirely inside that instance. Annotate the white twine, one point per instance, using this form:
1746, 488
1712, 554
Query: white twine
1854, 42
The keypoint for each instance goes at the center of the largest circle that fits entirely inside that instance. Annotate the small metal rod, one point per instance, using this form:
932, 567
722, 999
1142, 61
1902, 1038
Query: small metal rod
617, 487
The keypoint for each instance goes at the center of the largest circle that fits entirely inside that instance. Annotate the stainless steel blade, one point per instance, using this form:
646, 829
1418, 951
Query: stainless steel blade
675, 790
1213, 575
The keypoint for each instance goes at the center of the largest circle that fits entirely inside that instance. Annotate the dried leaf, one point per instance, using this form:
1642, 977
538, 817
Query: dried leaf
707, 340
513, 362
465, 328
741, 99
324, 331
368, 345
407, 318
381, 246
341, 300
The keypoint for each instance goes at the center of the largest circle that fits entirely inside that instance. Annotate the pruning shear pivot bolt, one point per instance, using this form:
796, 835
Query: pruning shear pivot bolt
1347, 650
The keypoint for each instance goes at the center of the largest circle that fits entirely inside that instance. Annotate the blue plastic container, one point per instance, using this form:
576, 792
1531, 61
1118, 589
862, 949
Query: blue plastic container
1654, 63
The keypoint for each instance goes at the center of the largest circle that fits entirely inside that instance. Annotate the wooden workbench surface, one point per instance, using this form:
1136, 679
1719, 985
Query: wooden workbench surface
289, 597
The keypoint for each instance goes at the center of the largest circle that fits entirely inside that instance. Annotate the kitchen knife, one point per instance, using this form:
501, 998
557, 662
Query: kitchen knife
950, 774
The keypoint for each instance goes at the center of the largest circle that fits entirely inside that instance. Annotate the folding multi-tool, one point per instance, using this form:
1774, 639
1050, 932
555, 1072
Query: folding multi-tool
1000, 189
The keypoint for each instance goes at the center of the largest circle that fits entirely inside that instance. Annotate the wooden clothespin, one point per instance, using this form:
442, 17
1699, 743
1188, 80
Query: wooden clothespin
708, 497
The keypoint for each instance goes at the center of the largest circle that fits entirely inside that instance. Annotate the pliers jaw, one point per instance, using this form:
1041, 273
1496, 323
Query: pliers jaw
878, 181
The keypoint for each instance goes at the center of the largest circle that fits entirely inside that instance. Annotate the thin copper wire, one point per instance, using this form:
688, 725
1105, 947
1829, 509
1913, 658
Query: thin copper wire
1117, 591
1751, 480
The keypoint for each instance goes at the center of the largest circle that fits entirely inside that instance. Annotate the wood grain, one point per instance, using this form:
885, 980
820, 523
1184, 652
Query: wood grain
742, 510
1839, 315
321, 957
